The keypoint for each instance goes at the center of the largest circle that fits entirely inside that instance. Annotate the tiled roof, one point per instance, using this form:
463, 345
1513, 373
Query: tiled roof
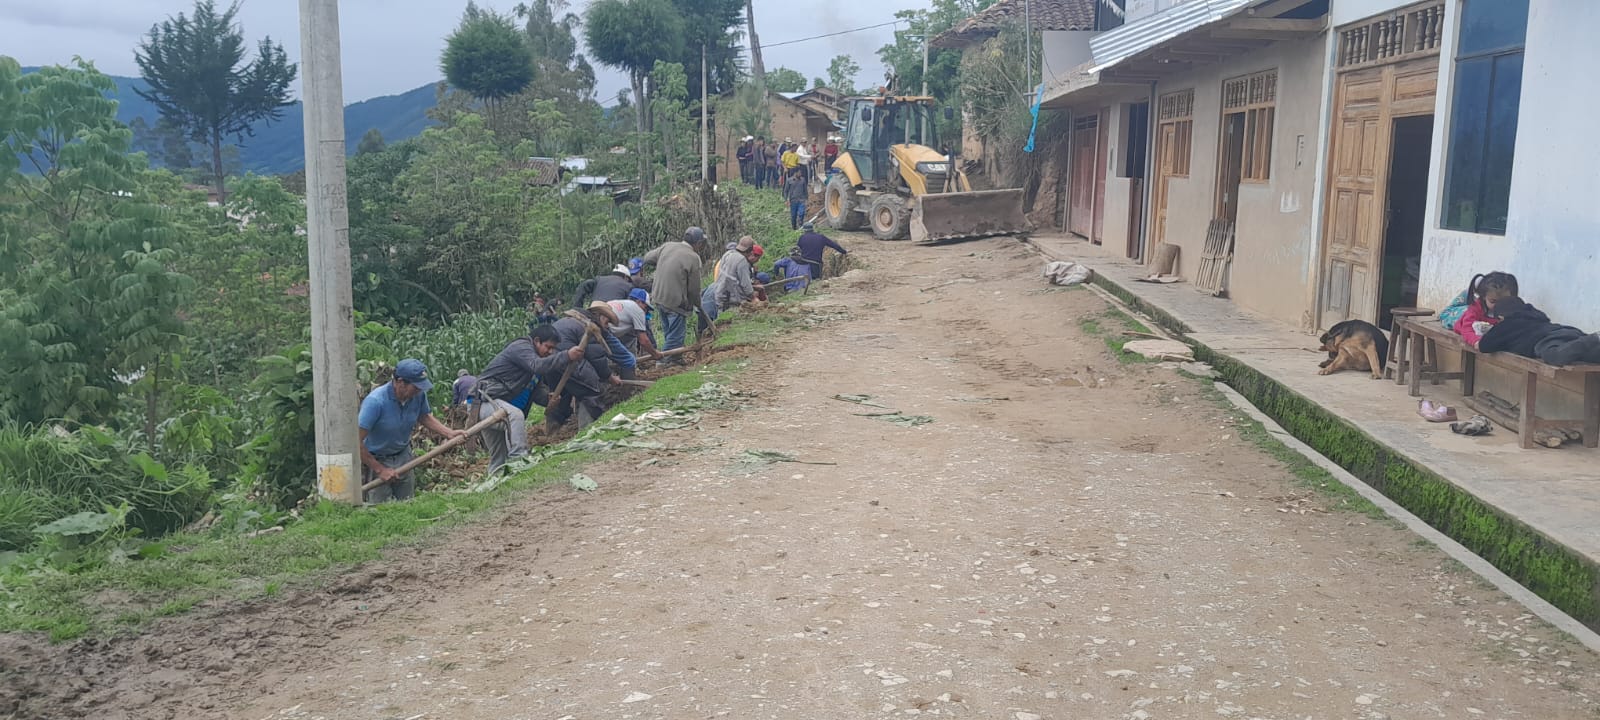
1044, 14
546, 171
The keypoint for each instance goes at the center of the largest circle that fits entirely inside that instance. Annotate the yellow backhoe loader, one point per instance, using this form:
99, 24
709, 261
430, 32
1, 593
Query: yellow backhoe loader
892, 179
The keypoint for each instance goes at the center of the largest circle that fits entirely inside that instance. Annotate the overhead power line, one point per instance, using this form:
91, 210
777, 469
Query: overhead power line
828, 35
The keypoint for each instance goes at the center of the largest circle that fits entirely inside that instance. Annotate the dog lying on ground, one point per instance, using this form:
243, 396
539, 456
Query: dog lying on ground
1355, 345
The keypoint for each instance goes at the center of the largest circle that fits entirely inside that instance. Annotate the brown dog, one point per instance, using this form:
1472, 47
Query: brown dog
1355, 345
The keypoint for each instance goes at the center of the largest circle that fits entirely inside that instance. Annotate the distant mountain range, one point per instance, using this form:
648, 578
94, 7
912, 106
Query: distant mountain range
279, 147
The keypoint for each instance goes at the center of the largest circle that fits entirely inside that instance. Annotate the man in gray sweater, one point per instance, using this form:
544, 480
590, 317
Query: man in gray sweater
677, 284
507, 375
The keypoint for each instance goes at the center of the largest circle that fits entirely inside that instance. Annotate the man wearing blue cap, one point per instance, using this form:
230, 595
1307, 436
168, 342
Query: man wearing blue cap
388, 416
636, 270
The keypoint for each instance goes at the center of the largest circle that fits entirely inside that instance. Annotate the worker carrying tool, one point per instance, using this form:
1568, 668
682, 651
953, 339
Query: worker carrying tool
506, 376
389, 414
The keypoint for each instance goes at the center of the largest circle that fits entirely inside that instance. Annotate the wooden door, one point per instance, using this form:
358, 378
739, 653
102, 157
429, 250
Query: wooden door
1100, 172
1230, 167
1166, 159
1365, 104
1085, 138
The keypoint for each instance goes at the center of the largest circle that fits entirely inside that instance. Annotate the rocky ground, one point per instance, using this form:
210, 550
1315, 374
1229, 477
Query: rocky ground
1069, 537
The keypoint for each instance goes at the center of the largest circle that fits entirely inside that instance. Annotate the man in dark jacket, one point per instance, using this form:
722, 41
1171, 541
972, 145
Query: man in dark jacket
614, 285
812, 245
795, 192
507, 376
1526, 331
589, 376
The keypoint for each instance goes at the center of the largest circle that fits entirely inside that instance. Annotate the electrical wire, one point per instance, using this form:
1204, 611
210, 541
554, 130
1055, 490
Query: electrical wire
828, 35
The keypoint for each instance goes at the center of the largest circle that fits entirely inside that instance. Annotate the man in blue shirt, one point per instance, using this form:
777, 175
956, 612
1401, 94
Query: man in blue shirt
388, 416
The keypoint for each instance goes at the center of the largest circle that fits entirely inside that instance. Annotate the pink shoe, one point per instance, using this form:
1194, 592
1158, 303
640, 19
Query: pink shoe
1436, 413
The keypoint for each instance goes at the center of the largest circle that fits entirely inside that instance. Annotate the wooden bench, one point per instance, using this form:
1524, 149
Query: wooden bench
1427, 338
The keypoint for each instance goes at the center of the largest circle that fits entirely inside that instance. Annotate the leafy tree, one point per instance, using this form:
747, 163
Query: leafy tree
165, 144
716, 26
817, 82
562, 73
88, 297
487, 56
842, 74
251, 278
463, 201
200, 82
782, 79
632, 35
903, 58
750, 113
371, 142
672, 115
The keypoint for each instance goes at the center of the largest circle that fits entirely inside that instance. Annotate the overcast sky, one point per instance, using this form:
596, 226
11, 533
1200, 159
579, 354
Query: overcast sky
391, 46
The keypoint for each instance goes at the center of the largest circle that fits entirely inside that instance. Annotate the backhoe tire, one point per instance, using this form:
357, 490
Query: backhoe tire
840, 204
889, 217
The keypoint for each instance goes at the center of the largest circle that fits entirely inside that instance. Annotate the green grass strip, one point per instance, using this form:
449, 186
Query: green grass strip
330, 537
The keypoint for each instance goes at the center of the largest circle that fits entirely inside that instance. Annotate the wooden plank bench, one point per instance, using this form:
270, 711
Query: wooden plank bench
1428, 338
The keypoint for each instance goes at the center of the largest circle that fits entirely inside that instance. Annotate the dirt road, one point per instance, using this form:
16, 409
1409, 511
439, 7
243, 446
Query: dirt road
1069, 538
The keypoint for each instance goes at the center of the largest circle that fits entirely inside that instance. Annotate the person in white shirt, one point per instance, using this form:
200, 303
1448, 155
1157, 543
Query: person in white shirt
633, 326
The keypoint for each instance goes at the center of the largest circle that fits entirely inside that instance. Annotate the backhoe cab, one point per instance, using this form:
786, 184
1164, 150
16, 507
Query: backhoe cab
892, 180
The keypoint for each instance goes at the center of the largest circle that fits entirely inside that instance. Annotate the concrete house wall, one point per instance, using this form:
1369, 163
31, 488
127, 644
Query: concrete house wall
1275, 256
1552, 240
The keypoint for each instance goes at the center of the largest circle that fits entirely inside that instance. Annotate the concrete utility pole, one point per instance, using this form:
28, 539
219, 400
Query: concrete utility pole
705, 119
333, 351
1027, 55
925, 41
757, 68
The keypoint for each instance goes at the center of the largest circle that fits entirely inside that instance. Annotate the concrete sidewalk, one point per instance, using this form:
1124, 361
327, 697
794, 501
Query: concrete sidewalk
1554, 492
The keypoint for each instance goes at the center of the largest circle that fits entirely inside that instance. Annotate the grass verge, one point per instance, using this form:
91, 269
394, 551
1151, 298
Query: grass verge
1109, 326
329, 537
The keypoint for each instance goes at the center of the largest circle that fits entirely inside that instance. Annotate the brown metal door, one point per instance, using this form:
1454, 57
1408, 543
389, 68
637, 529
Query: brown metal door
1365, 105
1085, 138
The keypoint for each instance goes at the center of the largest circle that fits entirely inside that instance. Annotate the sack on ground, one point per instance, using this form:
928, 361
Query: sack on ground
1067, 273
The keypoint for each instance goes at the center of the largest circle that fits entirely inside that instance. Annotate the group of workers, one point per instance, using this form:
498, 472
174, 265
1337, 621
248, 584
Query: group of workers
566, 362
776, 164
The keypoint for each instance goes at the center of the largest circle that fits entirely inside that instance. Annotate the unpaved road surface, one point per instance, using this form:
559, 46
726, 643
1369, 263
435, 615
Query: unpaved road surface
1069, 538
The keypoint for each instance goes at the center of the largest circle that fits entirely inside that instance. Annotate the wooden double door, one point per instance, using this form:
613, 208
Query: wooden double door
1086, 209
1366, 104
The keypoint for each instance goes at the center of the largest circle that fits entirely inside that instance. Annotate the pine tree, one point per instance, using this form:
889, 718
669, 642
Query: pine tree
199, 79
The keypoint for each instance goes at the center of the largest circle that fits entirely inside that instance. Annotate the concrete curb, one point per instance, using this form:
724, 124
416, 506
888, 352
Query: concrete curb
1563, 578
1535, 604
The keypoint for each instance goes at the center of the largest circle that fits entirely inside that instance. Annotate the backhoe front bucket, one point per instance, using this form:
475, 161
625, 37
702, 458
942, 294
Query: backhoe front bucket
946, 217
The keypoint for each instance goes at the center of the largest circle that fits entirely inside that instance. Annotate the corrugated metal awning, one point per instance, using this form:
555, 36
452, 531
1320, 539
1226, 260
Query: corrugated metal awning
1113, 47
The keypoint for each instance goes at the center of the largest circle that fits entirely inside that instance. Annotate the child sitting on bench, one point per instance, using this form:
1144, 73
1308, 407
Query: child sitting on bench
1526, 331
1482, 293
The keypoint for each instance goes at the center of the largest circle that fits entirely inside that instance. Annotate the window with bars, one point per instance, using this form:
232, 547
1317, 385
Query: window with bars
1175, 114
1256, 98
1483, 115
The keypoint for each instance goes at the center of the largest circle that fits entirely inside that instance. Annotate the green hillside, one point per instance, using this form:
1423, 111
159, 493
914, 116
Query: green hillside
278, 147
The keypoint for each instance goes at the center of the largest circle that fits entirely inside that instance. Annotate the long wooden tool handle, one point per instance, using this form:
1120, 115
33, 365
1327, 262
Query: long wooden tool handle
638, 383
440, 449
567, 374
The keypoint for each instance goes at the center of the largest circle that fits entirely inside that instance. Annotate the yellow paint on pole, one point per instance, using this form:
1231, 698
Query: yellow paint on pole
334, 476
